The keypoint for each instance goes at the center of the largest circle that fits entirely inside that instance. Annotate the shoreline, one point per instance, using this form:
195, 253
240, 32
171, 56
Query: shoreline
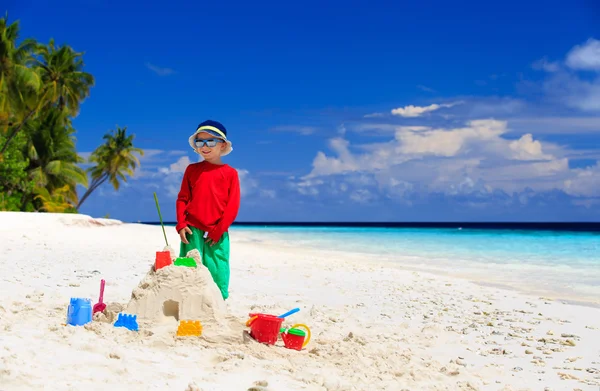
474, 277
526, 226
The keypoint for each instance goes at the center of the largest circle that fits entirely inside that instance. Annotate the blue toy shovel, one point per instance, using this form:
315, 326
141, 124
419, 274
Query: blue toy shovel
289, 313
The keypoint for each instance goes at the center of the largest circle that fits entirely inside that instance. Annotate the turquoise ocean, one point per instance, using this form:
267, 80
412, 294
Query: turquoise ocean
563, 265
560, 264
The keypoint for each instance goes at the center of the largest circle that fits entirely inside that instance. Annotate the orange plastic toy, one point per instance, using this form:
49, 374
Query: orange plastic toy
189, 327
163, 258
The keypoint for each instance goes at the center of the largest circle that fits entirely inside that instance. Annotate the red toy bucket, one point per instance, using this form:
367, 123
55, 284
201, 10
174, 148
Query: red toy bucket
294, 338
264, 328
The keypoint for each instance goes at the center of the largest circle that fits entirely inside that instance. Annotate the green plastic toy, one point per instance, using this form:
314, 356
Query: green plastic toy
188, 262
298, 332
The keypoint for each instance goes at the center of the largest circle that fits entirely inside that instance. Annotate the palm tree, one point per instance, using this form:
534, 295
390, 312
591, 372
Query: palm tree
19, 83
114, 160
62, 80
53, 160
65, 82
8, 38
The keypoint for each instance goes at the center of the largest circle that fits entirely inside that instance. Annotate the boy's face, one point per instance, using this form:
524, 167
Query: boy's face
209, 153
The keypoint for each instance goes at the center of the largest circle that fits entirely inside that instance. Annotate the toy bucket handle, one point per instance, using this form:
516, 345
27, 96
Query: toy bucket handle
251, 320
305, 327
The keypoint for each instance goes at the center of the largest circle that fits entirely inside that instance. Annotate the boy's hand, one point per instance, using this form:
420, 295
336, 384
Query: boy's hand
211, 238
210, 242
182, 235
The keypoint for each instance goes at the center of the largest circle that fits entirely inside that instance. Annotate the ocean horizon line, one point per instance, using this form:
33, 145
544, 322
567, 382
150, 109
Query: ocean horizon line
500, 225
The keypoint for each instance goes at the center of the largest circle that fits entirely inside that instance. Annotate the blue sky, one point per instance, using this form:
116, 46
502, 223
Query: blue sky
349, 110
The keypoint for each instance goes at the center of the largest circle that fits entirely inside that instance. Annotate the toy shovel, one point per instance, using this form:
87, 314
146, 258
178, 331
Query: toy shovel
100, 306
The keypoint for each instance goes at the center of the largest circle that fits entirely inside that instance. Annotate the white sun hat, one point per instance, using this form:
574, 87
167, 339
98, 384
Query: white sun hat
216, 129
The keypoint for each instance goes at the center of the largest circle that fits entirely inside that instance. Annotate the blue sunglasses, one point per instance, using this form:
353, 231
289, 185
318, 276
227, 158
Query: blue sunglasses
211, 142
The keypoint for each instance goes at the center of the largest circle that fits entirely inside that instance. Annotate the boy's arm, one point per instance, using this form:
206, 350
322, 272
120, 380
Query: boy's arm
182, 200
231, 210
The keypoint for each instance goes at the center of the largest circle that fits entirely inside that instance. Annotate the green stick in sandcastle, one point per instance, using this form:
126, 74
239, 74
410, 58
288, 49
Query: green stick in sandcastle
160, 217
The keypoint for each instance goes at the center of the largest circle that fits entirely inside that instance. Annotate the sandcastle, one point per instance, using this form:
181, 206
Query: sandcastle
179, 293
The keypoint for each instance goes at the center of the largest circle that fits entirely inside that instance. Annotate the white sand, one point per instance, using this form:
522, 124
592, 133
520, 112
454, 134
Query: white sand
375, 327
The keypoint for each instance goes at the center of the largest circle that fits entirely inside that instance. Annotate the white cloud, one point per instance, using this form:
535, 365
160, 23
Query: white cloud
412, 128
248, 185
411, 111
474, 158
574, 91
309, 187
374, 115
494, 107
180, 165
176, 152
566, 85
557, 125
362, 196
160, 70
447, 143
425, 88
268, 193
526, 148
544, 65
303, 130
172, 175
153, 156
585, 183
585, 57
370, 128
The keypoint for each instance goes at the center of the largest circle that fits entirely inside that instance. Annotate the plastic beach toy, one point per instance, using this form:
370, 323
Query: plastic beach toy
264, 328
127, 321
283, 316
79, 311
289, 313
188, 262
163, 258
294, 338
100, 306
189, 328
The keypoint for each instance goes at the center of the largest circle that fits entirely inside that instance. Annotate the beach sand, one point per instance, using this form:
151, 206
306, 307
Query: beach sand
374, 326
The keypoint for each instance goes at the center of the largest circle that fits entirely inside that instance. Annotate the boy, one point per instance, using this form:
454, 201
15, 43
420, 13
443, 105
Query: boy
208, 202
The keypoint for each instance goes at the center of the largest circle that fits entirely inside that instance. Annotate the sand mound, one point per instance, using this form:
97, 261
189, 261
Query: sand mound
171, 250
176, 293
110, 313
87, 221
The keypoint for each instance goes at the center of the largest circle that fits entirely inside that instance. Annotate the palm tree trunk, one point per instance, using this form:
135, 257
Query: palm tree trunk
15, 131
94, 186
24, 200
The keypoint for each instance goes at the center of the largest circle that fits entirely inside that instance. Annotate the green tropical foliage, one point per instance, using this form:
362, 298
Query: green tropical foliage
14, 181
53, 161
42, 87
56, 202
114, 160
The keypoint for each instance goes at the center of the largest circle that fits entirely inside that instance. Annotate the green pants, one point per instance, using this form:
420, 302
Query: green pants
215, 258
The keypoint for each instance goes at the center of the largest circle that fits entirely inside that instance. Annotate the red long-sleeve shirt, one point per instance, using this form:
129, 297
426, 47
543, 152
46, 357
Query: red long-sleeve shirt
209, 198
